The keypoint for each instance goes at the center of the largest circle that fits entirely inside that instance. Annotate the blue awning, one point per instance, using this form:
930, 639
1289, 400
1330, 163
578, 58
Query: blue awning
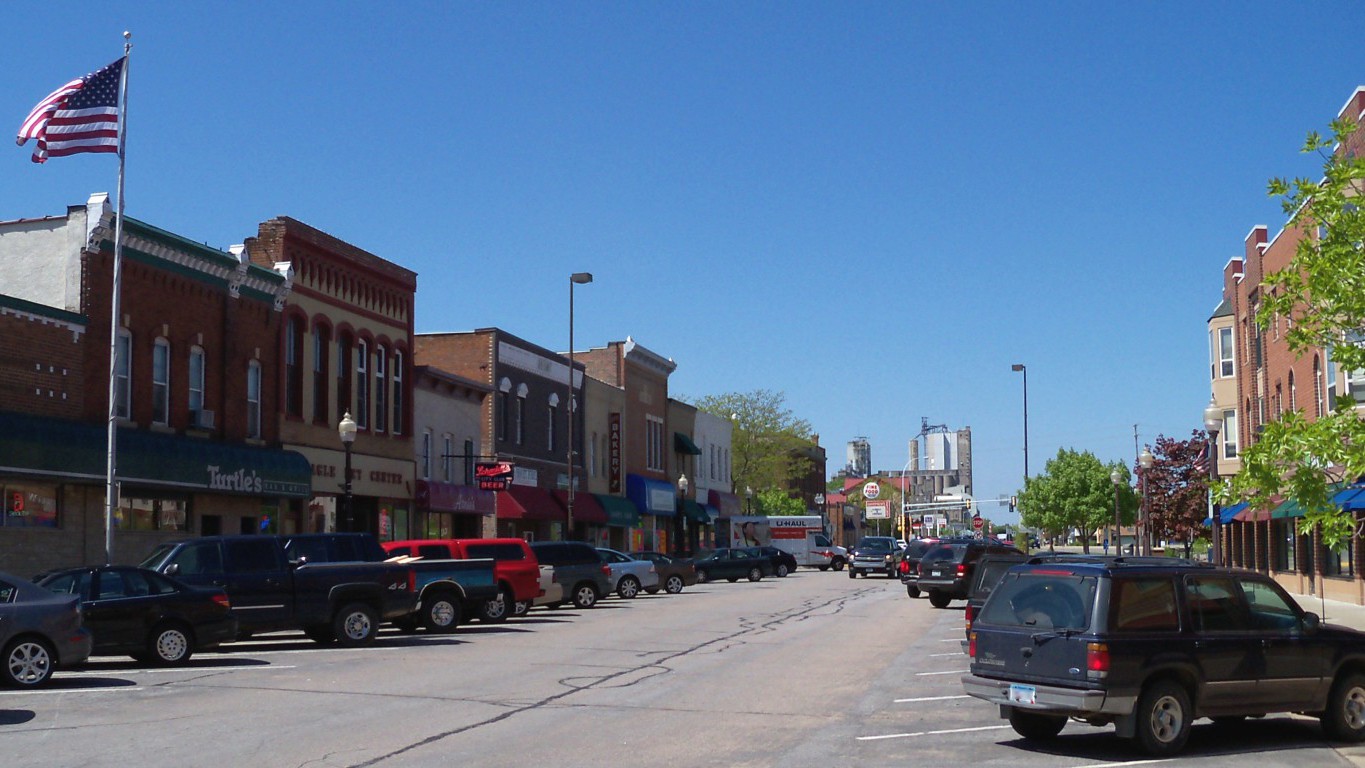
652, 497
1225, 514
1350, 498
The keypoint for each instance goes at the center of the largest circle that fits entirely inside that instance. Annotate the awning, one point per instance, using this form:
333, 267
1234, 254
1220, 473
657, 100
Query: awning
1251, 515
1290, 508
728, 504
693, 511
652, 497
36, 445
683, 444
1226, 514
620, 511
449, 497
1350, 498
522, 502
711, 512
585, 507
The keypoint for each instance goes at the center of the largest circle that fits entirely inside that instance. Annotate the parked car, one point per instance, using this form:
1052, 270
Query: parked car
514, 567
674, 573
874, 554
945, 571
140, 613
783, 562
732, 565
1152, 644
579, 569
40, 631
552, 592
628, 575
907, 565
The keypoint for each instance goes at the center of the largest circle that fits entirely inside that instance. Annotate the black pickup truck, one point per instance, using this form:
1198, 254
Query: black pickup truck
340, 602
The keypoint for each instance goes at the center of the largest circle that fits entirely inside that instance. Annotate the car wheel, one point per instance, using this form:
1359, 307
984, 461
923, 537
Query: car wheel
703, 577
838, 565
584, 596
521, 607
939, 599
912, 590
1034, 726
852, 574
732, 579
755, 574
442, 613
355, 624
28, 663
628, 589
674, 585
1163, 718
782, 570
1344, 719
497, 610
170, 643
321, 633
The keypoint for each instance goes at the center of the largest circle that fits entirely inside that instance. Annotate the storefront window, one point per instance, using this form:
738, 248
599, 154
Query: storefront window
152, 515
1338, 562
30, 506
270, 519
1284, 552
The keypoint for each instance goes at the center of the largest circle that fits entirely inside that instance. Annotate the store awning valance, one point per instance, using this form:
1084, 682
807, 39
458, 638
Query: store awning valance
523, 502
652, 497
585, 507
683, 444
439, 496
728, 504
1350, 498
37, 445
694, 511
620, 511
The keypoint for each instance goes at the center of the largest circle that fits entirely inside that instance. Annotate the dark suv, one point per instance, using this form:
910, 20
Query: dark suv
907, 564
945, 571
874, 554
1152, 644
579, 568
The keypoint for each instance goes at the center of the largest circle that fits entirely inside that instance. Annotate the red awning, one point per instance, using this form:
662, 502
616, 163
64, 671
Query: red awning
727, 503
1250, 515
520, 502
448, 497
586, 508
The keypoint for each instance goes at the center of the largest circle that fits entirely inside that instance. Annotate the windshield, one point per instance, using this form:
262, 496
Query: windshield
871, 543
1040, 600
151, 561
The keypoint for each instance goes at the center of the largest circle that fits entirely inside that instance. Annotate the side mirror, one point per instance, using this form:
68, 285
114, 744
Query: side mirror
172, 570
1311, 622
303, 560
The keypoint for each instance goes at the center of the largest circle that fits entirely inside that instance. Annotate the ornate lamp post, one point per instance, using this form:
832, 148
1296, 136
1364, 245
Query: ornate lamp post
1213, 423
1145, 461
749, 499
346, 429
577, 278
682, 512
1117, 479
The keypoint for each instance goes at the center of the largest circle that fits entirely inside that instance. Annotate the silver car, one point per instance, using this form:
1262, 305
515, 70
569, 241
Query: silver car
628, 575
39, 632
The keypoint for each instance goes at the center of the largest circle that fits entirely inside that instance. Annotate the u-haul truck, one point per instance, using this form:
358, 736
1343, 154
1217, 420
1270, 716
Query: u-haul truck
801, 535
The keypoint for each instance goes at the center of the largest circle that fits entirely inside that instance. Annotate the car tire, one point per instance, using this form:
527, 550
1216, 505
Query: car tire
1036, 727
755, 574
628, 588
521, 608
355, 625
1344, 718
732, 579
1163, 718
322, 633
29, 663
170, 643
912, 590
673, 585
497, 610
939, 599
838, 565
584, 596
442, 612
703, 577
852, 574
782, 570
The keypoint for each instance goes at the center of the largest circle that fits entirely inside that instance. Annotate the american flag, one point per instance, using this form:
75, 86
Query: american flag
1201, 462
81, 116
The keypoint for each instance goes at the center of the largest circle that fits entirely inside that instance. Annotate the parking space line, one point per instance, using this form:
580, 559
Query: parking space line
105, 689
940, 655
939, 733
160, 670
929, 698
1153, 761
945, 672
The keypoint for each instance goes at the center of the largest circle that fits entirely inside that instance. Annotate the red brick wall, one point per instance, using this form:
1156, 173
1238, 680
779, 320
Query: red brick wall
41, 366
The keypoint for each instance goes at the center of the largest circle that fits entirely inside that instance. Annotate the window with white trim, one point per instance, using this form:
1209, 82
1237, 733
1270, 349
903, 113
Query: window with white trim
654, 443
196, 384
161, 382
397, 392
1229, 434
253, 400
362, 384
122, 392
1227, 353
381, 388
426, 454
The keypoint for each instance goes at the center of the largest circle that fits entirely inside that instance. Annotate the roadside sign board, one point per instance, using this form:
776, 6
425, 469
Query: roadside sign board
493, 475
878, 510
872, 490
977, 523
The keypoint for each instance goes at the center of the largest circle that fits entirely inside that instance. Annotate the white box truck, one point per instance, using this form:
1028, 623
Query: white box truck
801, 535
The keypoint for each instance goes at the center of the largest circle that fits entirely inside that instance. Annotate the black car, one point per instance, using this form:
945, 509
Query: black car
907, 564
143, 614
1152, 644
783, 562
945, 571
732, 565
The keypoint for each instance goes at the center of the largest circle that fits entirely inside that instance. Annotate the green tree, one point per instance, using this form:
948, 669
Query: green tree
1075, 492
775, 501
1322, 293
766, 441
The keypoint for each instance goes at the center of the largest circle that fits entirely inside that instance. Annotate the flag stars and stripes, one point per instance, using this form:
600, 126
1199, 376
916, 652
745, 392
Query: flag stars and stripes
81, 116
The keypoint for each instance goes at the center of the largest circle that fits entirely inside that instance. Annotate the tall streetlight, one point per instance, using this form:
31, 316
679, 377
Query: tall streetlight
347, 431
1213, 423
1117, 479
1021, 369
577, 278
749, 495
682, 512
1145, 461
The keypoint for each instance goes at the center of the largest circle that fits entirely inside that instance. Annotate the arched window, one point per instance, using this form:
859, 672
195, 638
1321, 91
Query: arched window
322, 343
293, 367
197, 417
553, 415
397, 392
521, 414
362, 384
504, 407
253, 400
381, 389
1293, 394
344, 404
122, 392
161, 382
1319, 388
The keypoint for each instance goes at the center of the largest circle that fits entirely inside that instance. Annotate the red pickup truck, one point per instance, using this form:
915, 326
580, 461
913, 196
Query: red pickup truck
514, 566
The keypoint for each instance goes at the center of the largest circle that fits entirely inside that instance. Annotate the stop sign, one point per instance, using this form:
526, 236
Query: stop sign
977, 523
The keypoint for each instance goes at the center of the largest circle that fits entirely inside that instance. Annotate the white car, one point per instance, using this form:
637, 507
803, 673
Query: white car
628, 575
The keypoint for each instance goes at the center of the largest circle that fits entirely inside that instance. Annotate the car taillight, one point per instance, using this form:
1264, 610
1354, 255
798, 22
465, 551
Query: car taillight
412, 580
1096, 659
606, 569
961, 570
905, 566
222, 599
971, 646
969, 614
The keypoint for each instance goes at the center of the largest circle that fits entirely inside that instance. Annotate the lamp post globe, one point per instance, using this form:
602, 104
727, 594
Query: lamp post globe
1116, 478
1145, 461
346, 430
1213, 423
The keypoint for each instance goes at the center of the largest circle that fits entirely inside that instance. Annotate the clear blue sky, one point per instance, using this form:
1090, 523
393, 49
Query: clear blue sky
874, 208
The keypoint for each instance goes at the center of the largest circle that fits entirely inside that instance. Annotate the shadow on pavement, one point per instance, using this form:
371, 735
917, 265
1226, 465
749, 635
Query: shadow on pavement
1269, 734
16, 716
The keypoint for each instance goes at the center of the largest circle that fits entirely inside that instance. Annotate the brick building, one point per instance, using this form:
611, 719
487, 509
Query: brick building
448, 442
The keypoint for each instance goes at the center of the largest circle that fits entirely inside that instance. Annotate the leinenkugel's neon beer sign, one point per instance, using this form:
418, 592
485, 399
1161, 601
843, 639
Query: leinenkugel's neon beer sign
493, 475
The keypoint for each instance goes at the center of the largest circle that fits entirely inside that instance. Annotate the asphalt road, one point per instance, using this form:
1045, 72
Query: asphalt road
812, 670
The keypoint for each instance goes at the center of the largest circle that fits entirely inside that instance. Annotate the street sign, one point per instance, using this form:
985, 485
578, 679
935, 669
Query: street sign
977, 523
493, 475
872, 490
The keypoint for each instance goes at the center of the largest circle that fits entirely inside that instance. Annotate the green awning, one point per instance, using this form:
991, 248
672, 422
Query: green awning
683, 444
36, 445
620, 510
1290, 508
694, 511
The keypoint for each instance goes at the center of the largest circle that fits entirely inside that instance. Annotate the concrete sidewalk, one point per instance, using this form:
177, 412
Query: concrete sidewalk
1343, 615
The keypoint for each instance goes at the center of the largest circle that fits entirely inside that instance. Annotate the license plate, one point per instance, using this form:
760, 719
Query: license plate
1023, 694
936, 573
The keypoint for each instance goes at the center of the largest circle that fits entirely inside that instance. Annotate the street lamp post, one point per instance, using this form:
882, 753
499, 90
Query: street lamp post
1213, 423
1021, 369
1117, 479
749, 499
346, 429
682, 512
1145, 461
577, 278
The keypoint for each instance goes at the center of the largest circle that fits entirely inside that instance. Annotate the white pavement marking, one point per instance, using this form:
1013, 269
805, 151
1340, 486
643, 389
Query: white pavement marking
938, 733
1128, 762
160, 670
951, 639
940, 655
945, 672
929, 698
70, 690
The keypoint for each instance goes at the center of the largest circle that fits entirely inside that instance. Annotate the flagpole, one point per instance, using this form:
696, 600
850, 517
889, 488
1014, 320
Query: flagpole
110, 484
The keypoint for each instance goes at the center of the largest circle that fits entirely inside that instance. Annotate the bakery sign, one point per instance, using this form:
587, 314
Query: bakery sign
493, 475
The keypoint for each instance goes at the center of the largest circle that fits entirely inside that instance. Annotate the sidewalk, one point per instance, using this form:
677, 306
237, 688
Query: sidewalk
1343, 615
